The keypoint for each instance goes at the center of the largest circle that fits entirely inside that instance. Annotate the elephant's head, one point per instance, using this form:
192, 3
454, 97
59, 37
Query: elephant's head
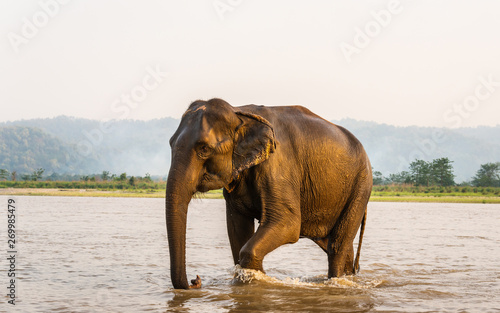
212, 146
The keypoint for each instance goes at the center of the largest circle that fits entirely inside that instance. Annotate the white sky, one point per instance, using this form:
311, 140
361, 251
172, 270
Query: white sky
430, 56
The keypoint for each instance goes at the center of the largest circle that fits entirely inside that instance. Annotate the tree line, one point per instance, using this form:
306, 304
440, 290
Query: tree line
439, 172
105, 176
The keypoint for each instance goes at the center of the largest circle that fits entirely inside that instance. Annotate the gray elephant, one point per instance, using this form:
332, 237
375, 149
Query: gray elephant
296, 173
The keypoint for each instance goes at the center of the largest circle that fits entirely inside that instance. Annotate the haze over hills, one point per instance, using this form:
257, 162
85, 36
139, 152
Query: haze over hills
82, 146
392, 148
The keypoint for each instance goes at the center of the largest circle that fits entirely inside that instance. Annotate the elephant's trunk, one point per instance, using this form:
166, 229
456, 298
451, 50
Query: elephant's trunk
176, 207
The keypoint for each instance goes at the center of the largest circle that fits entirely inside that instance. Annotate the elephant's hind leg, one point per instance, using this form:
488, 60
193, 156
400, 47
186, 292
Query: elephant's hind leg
340, 242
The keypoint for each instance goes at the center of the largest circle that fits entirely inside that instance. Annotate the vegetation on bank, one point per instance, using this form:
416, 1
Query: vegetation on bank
95, 185
123, 193
439, 172
423, 182
409, 193
399, 193
408, 190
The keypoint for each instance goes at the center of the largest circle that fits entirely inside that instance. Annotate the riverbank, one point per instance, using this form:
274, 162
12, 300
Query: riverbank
377, 196
126, 193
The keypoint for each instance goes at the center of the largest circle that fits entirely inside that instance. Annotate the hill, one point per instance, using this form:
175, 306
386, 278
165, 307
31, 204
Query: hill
392, 148
24, 149
82, 146
134, 147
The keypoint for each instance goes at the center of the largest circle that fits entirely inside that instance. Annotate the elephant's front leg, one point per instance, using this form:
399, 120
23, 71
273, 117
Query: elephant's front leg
268, 237
240, 229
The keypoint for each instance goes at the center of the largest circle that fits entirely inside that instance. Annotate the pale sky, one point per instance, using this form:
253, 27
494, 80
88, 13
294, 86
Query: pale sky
421, 62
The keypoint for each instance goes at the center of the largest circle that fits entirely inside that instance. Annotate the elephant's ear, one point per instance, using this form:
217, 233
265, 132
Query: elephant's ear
253, 143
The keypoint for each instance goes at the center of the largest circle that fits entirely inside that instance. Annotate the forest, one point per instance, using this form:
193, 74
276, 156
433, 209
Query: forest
439, 172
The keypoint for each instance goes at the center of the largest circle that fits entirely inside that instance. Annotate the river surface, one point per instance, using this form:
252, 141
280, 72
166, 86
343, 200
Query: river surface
111, 255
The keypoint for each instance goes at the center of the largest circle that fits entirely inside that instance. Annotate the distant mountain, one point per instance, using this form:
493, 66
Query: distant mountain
82, 146
24, 149
134, 147
392, 148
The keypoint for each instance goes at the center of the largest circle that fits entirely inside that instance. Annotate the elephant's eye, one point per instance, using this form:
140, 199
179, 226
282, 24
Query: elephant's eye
204, 151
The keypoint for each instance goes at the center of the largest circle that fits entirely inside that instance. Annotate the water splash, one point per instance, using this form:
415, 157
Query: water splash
245, 276
352, 282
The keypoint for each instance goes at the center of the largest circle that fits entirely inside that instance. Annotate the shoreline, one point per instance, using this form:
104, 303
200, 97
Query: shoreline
54, 192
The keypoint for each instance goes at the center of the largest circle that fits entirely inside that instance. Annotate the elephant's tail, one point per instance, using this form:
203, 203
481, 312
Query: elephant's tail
356, 262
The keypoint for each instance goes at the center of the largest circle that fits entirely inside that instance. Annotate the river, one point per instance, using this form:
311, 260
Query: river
77, 254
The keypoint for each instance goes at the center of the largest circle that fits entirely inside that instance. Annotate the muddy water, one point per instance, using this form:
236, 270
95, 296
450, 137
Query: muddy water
111, 255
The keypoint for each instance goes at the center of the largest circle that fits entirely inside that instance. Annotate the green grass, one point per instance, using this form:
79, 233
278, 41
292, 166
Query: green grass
405, 193
436, 200
108, 185
453, 194
436, 191
93, 189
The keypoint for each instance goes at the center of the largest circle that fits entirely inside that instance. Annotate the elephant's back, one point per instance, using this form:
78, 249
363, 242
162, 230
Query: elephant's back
327, 161
309, 135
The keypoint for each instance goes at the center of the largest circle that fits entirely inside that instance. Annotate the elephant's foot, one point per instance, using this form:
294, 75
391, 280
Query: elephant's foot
251, 261
195, 283
246, 275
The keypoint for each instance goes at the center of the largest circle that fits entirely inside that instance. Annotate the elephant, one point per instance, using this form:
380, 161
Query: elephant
296, 173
